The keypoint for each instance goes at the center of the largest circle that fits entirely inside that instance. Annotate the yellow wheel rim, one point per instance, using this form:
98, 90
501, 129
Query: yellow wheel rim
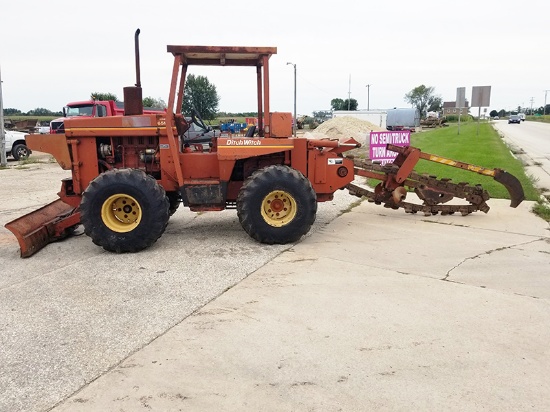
121, 213
278, 208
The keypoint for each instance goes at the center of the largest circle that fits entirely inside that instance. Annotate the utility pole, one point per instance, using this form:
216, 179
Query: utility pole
368, 97
544, 108
532, 100
294, 125
3, 160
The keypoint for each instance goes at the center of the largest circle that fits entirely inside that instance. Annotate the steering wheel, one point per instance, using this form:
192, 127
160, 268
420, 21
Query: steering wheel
197, 119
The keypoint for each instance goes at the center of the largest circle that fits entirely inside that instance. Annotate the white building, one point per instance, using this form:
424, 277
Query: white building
376, 117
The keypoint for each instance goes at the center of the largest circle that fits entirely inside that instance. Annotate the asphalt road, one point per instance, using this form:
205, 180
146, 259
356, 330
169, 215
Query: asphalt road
73, 311
531, 141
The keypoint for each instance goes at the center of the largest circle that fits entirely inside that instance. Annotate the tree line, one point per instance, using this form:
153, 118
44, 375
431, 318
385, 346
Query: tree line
422, 98
540, 111
202, 96
40, 111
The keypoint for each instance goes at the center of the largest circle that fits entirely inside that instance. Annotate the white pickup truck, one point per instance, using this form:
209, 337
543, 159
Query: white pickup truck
16, 145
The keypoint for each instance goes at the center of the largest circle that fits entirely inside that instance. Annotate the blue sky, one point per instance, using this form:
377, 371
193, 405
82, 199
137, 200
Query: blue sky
57, 51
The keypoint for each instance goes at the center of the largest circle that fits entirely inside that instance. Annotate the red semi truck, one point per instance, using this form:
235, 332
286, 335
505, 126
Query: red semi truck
92, 108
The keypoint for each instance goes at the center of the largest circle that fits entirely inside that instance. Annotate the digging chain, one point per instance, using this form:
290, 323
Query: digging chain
433, 191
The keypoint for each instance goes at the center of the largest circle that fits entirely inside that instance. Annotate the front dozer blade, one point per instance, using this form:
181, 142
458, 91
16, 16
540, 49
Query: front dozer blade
512, 184
45, 225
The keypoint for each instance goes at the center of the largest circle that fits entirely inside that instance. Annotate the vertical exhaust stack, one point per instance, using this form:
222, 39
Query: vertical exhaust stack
133, 98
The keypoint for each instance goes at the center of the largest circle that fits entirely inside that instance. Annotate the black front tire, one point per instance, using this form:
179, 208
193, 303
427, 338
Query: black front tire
124, 210
20, 152
277, 204
175, 201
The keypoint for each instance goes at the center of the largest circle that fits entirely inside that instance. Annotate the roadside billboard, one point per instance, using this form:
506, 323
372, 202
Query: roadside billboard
481, 96
460, 97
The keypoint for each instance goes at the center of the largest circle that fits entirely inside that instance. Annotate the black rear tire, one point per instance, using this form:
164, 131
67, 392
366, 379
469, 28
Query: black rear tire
20, 152
124, 210
277, 204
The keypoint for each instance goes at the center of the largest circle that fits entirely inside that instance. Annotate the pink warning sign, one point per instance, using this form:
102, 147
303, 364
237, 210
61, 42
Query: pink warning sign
379, 140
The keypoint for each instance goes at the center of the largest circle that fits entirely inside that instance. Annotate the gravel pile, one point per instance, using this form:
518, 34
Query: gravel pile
346, 126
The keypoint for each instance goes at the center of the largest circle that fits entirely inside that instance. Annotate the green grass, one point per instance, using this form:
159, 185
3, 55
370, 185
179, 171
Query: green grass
481, 147
18, 117
32, 160
543, 119
542, 210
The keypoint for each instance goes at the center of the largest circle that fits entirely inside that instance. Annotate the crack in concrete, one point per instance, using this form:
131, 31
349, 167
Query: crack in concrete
488, 252
454, 224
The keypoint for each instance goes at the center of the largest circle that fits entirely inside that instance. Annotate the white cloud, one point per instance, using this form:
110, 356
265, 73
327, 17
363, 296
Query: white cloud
62, 52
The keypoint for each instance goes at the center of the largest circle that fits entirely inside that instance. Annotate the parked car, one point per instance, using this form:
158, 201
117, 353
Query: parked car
514, 118
16, 145
495, 118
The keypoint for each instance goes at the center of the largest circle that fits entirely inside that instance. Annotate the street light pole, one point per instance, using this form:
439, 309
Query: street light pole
295, 119
544, 108
368, 97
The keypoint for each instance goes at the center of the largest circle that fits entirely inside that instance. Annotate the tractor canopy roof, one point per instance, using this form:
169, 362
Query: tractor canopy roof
222, 55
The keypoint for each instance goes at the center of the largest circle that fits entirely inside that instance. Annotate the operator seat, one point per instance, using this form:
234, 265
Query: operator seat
250, 132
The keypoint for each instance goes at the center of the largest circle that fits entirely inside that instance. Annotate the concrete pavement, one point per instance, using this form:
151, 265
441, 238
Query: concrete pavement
378, 310
72, 311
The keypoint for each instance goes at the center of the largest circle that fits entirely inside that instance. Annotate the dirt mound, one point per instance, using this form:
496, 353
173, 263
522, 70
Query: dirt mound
347, 126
